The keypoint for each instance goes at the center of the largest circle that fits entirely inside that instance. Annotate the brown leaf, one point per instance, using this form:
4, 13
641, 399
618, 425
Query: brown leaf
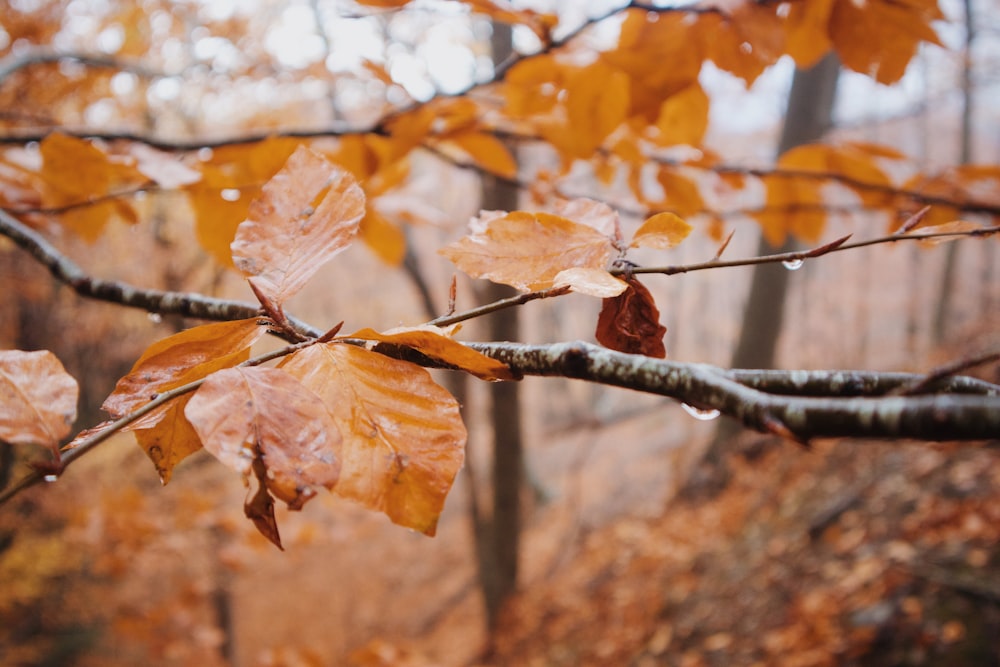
259, 508
163, 168
527, 250
661, 231
404, 440
245, 414
487, 151
433, 342
304, 216
630, 322
176, 360
37, 399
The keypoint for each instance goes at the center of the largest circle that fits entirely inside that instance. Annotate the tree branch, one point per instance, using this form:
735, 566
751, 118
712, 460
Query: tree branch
934, 417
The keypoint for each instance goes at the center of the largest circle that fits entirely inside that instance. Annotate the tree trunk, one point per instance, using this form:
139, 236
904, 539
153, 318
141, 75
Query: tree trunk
965, 157
498, 540
808, 116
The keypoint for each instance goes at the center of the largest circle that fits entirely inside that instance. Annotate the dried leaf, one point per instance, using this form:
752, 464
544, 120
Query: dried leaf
243, 415
403, 436
259, 507
592, 213
527, 250
304, 216
955, 227
630, 322
37, 399
178, 359
680, 193
432, 342
661, 231
589, 281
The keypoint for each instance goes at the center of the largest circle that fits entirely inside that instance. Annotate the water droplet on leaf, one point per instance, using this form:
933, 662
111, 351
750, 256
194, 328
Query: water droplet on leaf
699, 414
50, 478
155, 318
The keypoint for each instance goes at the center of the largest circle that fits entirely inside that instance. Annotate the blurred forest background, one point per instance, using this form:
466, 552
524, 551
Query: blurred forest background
850, 553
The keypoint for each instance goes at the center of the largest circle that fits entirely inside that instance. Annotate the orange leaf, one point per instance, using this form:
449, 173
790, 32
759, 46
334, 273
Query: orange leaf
176, 360
37, 399
590, 281
487, 151
432, 342
304, 216
683, 117
243, 415
231, 178
630, 322
880, 37
592, 213
385, 239
680, 193
661, 231
74, 172
808, 34
170, 440
403, 436
527, 250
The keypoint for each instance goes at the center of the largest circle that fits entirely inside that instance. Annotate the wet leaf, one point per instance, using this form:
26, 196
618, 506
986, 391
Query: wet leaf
433, 342
661, 231
630, 322
37, 399
307, 213
243, 415
178, 359
403, 435
589, 281
170, 440
527, 250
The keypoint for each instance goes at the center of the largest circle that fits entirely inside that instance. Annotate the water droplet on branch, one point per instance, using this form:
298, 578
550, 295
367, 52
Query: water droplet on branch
793, 264
700, 414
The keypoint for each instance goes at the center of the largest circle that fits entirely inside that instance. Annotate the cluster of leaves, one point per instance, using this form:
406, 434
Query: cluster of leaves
334, 413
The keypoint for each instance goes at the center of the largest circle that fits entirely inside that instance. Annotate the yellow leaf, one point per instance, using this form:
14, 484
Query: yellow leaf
403, 437
527, 250
597, 101
661, 231
808, 31
433, 343
307, 213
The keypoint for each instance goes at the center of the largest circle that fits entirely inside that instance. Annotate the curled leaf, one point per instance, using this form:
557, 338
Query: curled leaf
630, 322
432, 342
